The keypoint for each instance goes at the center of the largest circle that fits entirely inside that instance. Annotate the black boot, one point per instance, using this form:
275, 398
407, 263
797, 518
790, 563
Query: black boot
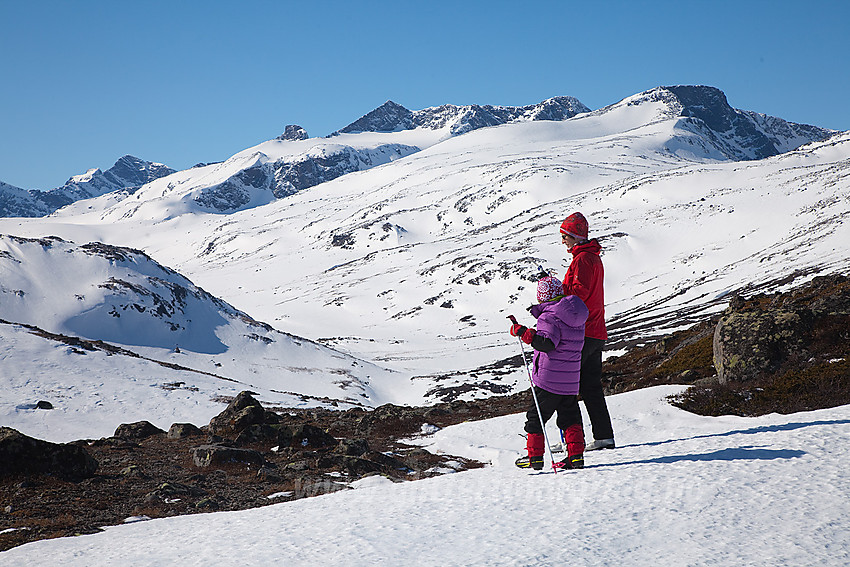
573, 462
535, 463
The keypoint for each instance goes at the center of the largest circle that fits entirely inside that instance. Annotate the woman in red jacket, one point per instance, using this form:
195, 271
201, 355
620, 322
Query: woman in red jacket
584, 278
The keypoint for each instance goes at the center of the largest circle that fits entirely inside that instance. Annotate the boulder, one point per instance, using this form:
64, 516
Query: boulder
20, 454
181, 430
243, 412
750, 344
137, 430
765, 335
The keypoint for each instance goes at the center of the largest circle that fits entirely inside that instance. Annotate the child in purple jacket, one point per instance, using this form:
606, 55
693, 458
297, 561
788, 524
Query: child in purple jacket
557, 344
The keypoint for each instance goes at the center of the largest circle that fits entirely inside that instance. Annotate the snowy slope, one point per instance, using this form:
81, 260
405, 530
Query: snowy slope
164, 331
680, 490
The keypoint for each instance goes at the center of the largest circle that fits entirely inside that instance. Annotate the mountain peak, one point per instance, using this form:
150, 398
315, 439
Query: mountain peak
389, 117
711, 127
709, 104
128, 173
293, 132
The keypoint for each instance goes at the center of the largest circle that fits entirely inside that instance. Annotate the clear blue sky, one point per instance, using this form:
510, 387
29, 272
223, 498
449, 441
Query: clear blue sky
182, 82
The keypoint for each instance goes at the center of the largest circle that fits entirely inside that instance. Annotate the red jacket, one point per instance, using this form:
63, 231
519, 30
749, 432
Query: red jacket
584, 279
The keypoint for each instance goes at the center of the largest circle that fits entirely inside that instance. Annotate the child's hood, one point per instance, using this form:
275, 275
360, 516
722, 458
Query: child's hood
569, 309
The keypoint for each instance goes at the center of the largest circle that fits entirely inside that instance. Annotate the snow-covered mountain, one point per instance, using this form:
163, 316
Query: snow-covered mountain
711, 128
128, 174
85, 303
292, 162
415, 265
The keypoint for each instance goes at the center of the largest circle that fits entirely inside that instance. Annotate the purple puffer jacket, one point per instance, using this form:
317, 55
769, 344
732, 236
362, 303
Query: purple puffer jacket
562, 322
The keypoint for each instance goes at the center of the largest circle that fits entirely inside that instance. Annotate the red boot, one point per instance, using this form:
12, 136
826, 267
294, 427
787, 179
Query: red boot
536, 447
574, 440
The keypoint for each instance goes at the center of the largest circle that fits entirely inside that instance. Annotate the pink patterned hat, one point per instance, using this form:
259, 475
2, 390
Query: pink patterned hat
547, 288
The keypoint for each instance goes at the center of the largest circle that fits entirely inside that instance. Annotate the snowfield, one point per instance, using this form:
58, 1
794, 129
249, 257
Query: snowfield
679, 490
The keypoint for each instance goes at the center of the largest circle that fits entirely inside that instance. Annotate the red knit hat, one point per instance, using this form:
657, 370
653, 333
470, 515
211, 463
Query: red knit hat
548, 288
575, 225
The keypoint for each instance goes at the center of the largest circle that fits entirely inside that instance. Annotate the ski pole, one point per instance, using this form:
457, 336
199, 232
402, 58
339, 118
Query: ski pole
534, 395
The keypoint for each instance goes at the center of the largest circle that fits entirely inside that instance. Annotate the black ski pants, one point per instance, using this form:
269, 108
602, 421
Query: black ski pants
591, 391
567, 407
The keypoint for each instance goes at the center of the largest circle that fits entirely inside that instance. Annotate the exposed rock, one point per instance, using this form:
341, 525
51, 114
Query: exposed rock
181, 430
749, 344
293, 132
302, 435
207, 455
158, 476
172, 490
20, 454
243, 412
353, 447
784, 353
137, 430
43, 404
133, 471
768, 334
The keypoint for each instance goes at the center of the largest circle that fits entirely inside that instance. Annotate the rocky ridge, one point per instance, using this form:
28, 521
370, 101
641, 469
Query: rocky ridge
128, 174
393, 117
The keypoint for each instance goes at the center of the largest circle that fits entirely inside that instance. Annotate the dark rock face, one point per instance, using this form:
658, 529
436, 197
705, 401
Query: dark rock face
288, 176
741, 135
293, 132
389, 117
20, 454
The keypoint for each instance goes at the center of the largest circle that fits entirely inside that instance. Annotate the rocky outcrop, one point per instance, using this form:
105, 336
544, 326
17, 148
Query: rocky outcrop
293, 132
766, 335
161, 476
23, 455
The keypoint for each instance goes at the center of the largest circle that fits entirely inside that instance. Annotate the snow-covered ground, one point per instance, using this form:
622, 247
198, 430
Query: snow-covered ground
679, 490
